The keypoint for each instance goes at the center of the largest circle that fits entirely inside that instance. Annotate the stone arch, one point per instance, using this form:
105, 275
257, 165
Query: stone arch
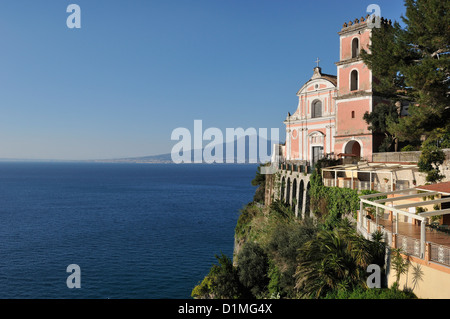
282, 189
288, 191
294, 194
301, 194
353, 147
308, 201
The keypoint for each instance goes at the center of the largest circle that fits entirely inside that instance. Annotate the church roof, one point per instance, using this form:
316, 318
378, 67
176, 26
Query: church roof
318, 75
331, 78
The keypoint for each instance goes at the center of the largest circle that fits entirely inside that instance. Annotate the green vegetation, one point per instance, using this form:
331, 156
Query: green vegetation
360, 293
280, 256
222, 282
330, 204
336, 259
408, 148
411, 66
260, 182
432, 156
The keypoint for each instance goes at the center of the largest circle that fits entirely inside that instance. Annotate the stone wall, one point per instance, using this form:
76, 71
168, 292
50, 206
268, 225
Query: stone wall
403, 157
413, 157
291, 187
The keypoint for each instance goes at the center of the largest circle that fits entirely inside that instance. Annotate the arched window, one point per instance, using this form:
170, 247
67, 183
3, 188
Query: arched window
354, 81
316, 109
355, 47
353, 114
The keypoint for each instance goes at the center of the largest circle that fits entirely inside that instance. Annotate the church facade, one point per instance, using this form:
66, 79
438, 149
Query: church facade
328, 120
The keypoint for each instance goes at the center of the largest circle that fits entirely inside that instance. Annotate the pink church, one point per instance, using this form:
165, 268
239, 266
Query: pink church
329, 117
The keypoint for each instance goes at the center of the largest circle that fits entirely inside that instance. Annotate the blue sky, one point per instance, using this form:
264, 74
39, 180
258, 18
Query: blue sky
138, 69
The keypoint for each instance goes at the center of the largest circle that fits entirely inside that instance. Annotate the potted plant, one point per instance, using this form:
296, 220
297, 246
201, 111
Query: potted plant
370, 212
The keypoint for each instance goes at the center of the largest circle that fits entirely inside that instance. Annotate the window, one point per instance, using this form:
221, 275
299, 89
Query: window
316, 109
353, 114
355, 48
354, 81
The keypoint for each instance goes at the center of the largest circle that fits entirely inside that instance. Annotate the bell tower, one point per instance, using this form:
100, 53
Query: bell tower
354, 92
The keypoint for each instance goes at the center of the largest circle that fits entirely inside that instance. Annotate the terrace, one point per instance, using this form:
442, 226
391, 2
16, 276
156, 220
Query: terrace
382, 177
415, 219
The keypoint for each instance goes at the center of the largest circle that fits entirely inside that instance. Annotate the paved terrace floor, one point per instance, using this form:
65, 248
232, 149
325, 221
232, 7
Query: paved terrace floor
411, 230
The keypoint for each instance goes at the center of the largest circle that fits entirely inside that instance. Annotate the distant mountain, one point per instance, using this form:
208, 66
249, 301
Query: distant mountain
167, 158
162, 158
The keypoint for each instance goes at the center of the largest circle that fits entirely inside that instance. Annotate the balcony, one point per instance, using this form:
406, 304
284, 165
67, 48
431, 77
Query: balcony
369, 176
407, 236
365, 185
296, 167
407, 227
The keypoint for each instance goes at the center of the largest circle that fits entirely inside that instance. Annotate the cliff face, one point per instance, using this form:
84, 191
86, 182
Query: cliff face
238, 244
250, 220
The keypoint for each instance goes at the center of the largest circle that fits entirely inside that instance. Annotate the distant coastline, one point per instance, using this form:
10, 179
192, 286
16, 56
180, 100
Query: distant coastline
137, 160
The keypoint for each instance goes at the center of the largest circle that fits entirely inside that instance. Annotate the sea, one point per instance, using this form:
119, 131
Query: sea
135, 231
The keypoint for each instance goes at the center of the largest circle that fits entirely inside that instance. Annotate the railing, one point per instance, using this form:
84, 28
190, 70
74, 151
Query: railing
440, 254
296, 168
360, 185
409, 245
368, 227
329, 182
364, 185
386, 187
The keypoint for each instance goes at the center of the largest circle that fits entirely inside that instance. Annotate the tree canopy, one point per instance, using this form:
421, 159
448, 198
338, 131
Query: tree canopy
412, 63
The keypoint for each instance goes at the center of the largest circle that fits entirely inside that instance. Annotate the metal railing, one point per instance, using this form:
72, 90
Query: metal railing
386, 187
409, 245
308, 169
358, 185
440, 254
364, 185
328, 182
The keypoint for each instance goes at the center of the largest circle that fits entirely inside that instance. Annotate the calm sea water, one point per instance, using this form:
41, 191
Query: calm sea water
135, 230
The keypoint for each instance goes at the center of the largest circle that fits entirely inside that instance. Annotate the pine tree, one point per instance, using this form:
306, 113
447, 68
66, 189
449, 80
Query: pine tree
426, 66
413, 63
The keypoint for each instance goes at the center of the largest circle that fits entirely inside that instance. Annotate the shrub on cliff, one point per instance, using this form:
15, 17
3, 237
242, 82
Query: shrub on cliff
335, 259
222, 282
283, 248
366, 293
253, 266
260, 182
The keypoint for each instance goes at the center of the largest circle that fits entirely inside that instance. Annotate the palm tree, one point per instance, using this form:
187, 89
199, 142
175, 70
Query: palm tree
399, 264
336, 259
